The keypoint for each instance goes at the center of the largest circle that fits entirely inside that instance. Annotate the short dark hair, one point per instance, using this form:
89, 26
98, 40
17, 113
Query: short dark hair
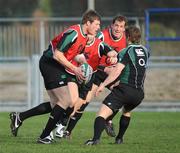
119, 18
90, 15
133, 34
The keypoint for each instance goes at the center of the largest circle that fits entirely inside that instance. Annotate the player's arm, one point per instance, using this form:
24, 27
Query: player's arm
59, 56
66, 42
80, 58
116, 71
109, 52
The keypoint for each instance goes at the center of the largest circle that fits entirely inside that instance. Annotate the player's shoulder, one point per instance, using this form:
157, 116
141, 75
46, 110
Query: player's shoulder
100, 35
72, 32
73, 29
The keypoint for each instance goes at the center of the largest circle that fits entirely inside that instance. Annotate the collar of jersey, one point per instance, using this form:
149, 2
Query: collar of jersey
134, 45
82, 30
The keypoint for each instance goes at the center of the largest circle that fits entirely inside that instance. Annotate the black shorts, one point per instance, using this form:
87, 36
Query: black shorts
85, 88
53, 73
124, 95
100, 76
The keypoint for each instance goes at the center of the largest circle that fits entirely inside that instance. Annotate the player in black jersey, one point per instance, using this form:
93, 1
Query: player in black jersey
131, 71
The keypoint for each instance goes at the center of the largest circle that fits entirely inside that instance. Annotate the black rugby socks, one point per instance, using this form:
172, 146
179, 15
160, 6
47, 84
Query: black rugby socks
74, 119
43, 108
123, 125
56, 115
99, 125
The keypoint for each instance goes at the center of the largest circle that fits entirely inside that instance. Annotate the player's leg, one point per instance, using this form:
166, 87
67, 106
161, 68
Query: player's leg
74, 120
60, 130
85, 94
18, 118
99, 124
110, 104
61, 125
109, 126
123, 125
43, 108
100, 76
61, 95
133, 98
74, 94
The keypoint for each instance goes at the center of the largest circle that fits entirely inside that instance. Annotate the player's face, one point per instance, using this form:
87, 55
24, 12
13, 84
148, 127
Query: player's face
118, 28
93, 27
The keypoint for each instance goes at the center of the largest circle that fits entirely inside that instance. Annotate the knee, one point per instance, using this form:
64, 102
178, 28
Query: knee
126, 112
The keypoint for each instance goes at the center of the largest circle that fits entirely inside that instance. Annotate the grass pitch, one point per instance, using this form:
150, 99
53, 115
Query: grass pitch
149, 132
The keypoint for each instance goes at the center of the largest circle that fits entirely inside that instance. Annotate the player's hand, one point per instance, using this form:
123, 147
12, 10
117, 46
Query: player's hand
79, 74
77, 106
112, 57
100, 89
112, 60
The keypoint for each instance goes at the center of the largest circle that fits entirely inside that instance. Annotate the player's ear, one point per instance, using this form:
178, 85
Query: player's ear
88, 23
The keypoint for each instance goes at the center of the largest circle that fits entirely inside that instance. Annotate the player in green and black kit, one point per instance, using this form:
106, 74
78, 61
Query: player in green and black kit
131, 70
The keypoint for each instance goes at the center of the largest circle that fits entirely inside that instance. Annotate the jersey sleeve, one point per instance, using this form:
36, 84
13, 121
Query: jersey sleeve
67, 40
104, 49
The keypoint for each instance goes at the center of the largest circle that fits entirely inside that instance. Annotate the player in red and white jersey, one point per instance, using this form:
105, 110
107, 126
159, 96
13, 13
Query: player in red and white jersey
94, 51
114, 36
55, 59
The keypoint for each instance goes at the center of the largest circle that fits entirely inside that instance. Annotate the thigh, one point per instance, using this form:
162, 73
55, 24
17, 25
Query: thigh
134, 98
115, 100
53, 98
60, 96
73, 92
130, 106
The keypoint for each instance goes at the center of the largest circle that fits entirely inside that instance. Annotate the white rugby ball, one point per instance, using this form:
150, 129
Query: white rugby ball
87, 72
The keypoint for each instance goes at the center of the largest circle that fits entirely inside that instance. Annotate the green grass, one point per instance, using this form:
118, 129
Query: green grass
149, 132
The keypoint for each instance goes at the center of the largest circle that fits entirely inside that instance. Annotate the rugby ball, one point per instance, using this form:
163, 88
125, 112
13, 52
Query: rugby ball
87, 72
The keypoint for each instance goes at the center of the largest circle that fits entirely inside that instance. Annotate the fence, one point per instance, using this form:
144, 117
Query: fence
25, 37
22, 86
23, 40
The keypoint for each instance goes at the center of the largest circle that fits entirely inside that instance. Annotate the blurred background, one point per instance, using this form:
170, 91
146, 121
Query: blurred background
27, 26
